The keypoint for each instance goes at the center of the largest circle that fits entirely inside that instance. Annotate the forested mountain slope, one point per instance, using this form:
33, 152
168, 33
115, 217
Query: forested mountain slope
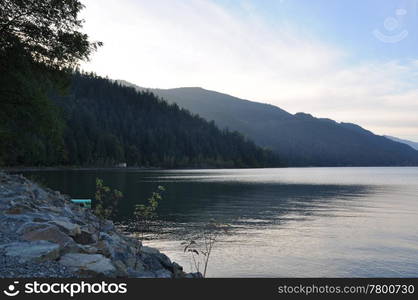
299, 139
107, 124
409, 143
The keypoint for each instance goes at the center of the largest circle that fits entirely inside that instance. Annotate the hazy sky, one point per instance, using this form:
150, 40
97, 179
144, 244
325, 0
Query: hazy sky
353, 61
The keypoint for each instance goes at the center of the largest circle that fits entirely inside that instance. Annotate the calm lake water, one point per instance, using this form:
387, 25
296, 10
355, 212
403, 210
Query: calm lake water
293, 222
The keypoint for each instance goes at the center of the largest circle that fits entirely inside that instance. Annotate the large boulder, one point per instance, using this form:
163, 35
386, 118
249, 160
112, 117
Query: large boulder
88, 264
36, 251
50, 233
116, 246
155, 258
67, 227
30, 226
120, 248
86, 236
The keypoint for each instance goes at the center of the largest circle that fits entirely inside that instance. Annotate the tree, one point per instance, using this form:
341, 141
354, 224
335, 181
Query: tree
48, 30
40, 43
29, 121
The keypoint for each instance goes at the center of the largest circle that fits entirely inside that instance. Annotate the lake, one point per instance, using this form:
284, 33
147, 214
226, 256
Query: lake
290, 222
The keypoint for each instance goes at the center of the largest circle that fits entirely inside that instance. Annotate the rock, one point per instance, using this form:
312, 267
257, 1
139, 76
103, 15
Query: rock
176, 266
30, 226
115, 246
141, 274
108, 226
193, 275
104, 248
67, 227
39, 217
163, 273
14, 211
11, 223
85, 237
36, 251
177, 270
121, 249
151, 262
39, 193
50, 233
121, 268
88, 264
70, 210
86, 249
40, 220
149, 250
154, 254
53, 209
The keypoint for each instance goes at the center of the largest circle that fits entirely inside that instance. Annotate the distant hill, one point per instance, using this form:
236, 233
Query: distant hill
108, 124
409, 143
299, 139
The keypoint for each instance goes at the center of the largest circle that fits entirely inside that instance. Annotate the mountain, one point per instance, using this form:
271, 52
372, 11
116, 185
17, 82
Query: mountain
409, 143
299, 139
107, 124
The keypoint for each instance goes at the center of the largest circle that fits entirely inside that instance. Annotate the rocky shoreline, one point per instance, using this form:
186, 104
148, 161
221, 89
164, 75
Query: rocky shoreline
43, 234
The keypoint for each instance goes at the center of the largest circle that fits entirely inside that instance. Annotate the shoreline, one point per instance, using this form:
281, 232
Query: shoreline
64, 168
69, 168
44, 234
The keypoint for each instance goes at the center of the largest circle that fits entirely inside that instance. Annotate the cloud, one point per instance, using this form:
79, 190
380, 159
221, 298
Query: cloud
380, 96
170, 43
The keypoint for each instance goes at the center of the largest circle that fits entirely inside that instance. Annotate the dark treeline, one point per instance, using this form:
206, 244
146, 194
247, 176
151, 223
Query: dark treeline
107, 124
102, 123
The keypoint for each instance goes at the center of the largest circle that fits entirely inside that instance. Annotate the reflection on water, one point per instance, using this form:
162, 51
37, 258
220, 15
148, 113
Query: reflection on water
285, 222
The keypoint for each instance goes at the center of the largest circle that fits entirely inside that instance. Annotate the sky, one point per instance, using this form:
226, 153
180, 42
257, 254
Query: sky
351, 61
